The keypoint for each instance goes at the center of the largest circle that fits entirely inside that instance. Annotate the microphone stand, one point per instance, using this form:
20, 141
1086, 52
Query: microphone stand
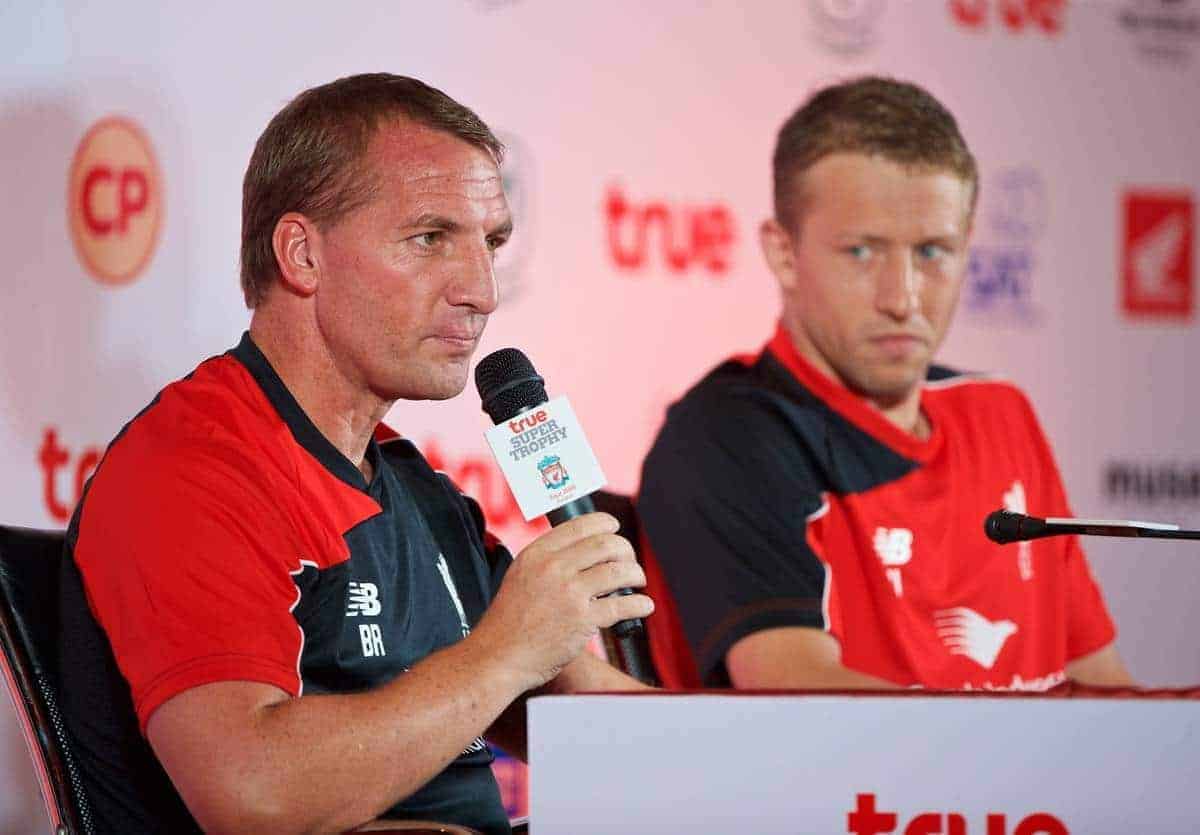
1004, 526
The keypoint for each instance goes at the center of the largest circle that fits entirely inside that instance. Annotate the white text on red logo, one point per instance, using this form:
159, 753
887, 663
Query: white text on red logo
1156, 263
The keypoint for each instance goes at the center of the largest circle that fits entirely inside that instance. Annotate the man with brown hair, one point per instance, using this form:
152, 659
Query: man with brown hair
817, 511
273, 623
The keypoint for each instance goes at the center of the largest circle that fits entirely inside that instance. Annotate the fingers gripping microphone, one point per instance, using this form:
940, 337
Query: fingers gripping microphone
509, 387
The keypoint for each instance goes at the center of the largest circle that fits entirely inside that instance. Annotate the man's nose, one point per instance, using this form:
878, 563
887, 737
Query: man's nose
475, 283
897, 287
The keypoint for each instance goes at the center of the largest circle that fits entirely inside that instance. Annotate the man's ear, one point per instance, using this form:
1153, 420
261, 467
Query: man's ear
777, 248
296, 242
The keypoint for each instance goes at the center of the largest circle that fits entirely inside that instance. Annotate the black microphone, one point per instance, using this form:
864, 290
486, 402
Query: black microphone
1005, 526
508, 385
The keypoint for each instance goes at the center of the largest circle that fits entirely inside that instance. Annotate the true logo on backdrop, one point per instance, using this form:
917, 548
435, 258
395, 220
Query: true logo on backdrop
53, 458
1000, 270
1164, 32
114, 201
1045, 17
846, 27
680, 237
1156, 260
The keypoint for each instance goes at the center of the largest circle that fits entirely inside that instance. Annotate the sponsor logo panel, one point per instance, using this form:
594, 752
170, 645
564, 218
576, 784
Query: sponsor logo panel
1167, 484
1164, 32
115, 201
1157, 270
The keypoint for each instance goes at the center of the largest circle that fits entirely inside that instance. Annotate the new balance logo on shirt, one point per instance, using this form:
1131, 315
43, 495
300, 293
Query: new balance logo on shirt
893, 546
364, 600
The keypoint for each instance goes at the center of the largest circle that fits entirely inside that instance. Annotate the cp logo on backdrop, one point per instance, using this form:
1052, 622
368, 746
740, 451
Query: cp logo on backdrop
114, 202
1156, 262
512, 260
846, 27
1000, 270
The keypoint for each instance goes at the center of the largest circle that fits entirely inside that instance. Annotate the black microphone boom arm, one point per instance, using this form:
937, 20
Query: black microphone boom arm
1005, 526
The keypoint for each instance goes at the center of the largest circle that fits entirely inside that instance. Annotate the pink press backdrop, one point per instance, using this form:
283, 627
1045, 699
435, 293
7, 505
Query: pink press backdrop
641, 137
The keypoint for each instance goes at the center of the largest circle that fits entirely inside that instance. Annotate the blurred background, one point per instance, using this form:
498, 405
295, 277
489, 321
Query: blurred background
640, 138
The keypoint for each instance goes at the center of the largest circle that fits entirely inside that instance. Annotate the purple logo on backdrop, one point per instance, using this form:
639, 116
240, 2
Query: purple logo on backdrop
846, 27
1164, 32
1000, 271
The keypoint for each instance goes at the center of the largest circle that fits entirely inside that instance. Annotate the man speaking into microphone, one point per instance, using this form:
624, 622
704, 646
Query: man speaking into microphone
272, 622
817, 510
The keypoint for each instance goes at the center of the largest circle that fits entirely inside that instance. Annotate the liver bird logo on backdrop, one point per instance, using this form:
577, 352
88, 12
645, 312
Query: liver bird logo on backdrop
966, 632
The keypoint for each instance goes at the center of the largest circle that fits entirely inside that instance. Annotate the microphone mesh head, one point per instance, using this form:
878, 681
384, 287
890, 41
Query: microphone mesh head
508, 384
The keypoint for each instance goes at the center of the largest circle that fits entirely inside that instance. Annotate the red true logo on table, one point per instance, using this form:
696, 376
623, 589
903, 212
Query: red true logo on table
688, 236
865, 819
53, 457
1046, 16
115, 201
1156, 262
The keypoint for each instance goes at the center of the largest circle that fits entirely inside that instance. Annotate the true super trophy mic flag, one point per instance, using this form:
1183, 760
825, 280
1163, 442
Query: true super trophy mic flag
539, 446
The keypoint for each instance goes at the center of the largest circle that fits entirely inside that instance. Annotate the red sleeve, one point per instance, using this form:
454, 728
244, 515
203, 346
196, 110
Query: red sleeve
189, 564
1089, 625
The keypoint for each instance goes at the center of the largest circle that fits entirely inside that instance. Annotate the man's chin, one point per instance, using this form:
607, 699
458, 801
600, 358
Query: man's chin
445, 388
889, 388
